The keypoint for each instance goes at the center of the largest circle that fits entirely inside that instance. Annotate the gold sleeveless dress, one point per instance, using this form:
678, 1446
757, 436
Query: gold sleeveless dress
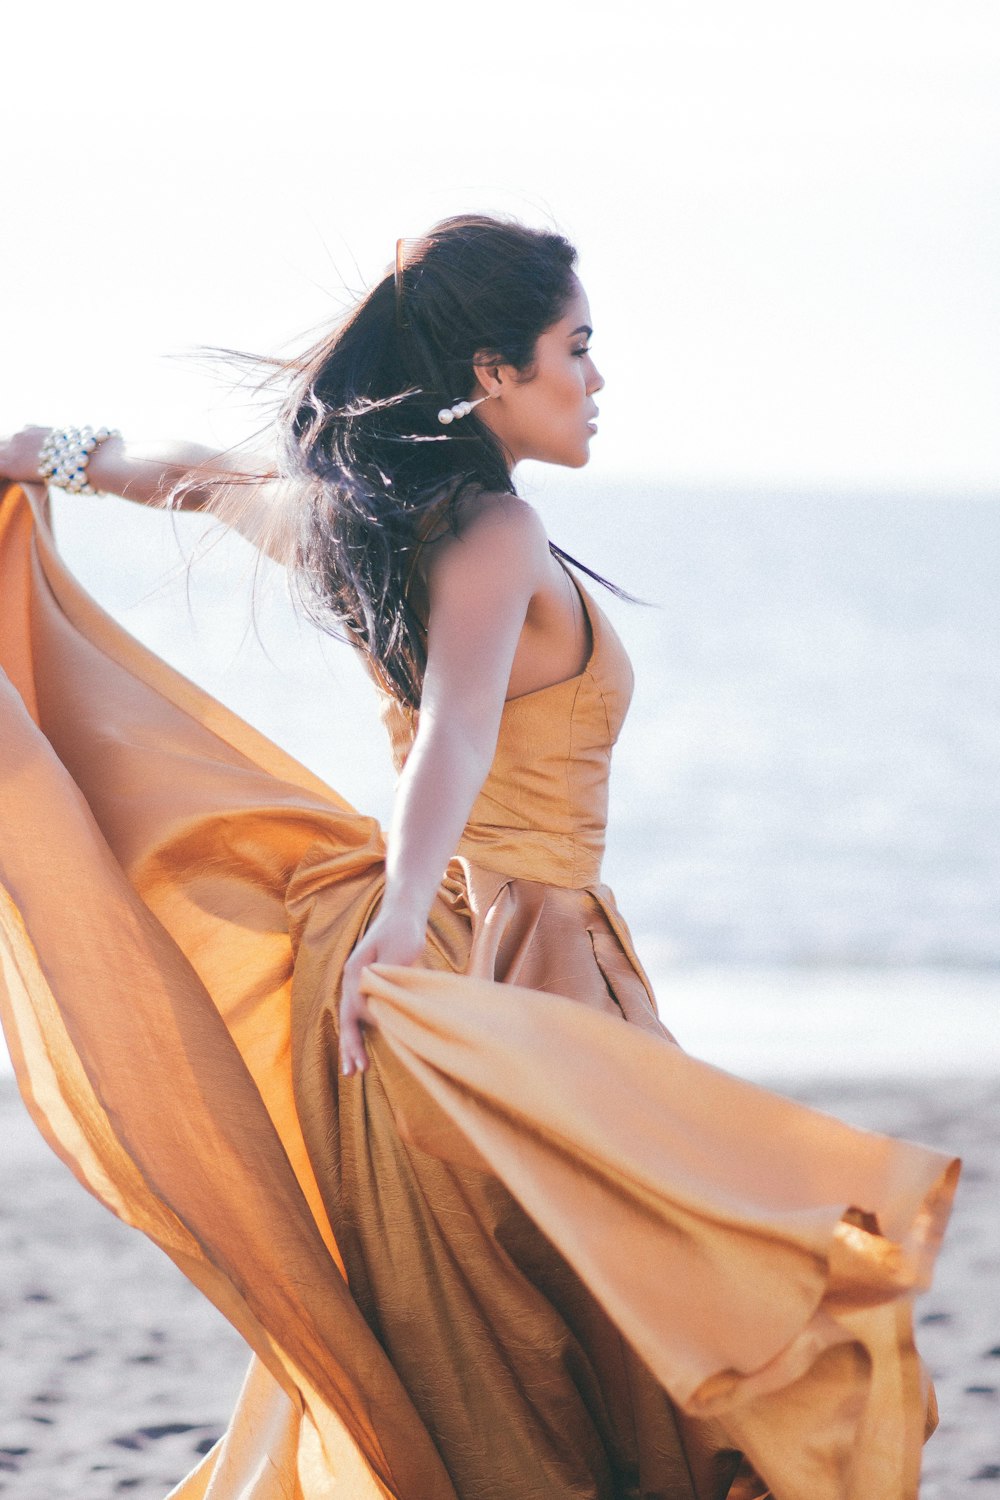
537, 1250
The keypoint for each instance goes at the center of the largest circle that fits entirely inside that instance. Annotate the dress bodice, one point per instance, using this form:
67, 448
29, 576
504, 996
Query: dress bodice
542, 811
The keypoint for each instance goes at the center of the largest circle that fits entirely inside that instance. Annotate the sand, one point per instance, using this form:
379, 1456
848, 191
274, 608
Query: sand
115, 1374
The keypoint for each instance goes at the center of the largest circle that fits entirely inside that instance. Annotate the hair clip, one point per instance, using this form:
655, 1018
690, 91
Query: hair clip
460, 409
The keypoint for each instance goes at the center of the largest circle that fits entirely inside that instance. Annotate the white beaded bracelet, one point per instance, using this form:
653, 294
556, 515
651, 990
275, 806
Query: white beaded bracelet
65, 454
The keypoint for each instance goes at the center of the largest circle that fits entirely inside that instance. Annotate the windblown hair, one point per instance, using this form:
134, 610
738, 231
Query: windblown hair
374, 474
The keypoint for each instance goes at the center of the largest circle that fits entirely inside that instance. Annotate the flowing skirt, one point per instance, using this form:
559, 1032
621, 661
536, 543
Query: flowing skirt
538, 1249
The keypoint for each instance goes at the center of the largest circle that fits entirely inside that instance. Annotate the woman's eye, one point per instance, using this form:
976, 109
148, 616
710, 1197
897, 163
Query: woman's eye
578, 352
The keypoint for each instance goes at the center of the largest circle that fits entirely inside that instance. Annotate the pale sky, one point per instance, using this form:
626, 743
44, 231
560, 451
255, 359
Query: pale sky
788, 215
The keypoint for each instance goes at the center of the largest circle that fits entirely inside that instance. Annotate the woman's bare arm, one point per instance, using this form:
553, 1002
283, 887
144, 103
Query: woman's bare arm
146, 473
480, 585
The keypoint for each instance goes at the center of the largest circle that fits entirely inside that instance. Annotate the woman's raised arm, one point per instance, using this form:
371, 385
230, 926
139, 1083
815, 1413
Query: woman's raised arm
480, 585
146, 473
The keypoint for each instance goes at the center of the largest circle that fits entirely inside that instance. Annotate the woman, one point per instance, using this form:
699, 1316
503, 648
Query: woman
407, 1112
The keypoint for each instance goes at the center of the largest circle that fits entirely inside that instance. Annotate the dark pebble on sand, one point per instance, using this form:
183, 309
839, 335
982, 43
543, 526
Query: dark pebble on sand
988, 1471
993, 1353
980, 1390
204, 1445
127, 1484
14, 1452
43, 1421
79, 1359
143, 1359
37, 1297
129, 1440
9, 1466
166, 1429
940, 1317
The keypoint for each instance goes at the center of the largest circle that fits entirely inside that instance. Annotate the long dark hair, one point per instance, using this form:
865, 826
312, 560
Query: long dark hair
375, 475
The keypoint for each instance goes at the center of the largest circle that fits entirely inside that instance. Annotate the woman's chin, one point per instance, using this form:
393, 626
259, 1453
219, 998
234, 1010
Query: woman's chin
575, 458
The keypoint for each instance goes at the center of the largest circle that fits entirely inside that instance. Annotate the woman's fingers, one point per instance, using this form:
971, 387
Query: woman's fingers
353, 1054
353, 1014
353, 1057
396, 941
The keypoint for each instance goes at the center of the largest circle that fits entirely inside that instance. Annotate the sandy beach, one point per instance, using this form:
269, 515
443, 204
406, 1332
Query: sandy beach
115, 1375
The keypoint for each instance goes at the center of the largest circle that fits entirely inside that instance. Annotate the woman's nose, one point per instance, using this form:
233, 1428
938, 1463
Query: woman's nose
596, 381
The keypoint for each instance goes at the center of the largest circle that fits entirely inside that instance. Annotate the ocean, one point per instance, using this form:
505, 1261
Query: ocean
805, 825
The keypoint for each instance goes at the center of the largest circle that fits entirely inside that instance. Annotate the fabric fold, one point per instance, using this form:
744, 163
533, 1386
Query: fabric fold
123, 1056
710, 1211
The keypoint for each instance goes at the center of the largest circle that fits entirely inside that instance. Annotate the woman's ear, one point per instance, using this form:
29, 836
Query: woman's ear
489, 371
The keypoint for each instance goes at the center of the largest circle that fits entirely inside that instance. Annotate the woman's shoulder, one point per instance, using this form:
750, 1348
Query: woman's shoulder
493, 533
487, 518
479, 537
486, 534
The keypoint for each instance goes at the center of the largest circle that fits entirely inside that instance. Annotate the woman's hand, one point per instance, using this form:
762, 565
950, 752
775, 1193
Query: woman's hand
395, 937
20, 453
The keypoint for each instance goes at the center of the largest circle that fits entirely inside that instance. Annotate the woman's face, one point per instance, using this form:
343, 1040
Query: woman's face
549, 417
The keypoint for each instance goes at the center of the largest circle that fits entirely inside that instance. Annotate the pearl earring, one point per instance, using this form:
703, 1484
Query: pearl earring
460, 409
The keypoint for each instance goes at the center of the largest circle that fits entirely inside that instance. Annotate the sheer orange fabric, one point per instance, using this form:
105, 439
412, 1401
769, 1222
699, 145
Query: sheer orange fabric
539, 1249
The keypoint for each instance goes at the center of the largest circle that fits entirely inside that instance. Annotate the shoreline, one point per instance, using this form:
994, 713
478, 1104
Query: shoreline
832, 1023
825, 1023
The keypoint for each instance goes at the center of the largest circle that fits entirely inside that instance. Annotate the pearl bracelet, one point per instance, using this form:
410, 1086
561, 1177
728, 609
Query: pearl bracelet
65, 454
